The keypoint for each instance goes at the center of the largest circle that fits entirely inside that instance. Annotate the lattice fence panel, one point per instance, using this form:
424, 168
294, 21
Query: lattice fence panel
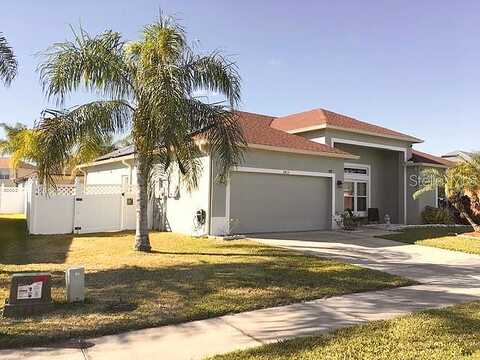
103, 189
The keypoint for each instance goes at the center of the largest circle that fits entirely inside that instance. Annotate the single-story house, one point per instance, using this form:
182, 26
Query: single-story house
298, 172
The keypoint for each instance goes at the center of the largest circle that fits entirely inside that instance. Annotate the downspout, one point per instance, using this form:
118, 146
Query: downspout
129, 166
84, 176
210, 186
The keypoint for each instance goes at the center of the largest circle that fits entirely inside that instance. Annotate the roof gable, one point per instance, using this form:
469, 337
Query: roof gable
321, 118
424, 158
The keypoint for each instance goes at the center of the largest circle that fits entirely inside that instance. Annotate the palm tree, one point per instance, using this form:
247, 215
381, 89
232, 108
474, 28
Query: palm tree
147, 88
20, 142
23, 143
8, 62
459, 181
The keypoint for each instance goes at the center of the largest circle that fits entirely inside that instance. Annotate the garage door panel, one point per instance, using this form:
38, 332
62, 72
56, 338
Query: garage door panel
273, 202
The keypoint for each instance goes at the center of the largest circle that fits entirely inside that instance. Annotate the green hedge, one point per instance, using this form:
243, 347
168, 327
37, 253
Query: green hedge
433, 215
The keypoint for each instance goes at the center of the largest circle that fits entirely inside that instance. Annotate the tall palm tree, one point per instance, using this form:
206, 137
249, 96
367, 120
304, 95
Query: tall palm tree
459, 181
8, 62
147, 88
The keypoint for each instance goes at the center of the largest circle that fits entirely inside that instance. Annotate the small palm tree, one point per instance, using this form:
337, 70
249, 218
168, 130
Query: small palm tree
23, 143
459, 181
20, 142
8, 62
148, 88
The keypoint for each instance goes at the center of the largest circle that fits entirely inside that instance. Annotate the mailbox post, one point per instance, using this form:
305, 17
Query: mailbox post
30, 294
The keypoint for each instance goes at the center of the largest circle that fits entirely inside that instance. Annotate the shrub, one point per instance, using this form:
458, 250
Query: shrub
433, 215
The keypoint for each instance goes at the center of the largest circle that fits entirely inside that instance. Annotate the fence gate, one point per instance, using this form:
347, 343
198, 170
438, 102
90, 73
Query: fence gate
81, 209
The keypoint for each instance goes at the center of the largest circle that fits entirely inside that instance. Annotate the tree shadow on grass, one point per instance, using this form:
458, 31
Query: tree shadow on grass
412, 235
188, 292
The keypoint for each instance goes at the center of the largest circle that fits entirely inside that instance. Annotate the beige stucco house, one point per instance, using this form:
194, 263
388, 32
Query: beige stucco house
9, 175
298, 172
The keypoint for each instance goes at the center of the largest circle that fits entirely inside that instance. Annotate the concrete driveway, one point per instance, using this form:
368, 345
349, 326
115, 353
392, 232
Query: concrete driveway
424, 264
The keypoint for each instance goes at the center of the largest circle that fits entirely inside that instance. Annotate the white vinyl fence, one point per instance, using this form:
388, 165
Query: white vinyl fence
12, 199
79, 209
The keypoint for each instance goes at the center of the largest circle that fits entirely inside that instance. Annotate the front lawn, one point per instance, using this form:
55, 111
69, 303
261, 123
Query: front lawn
447, 334
440, 237
182, 279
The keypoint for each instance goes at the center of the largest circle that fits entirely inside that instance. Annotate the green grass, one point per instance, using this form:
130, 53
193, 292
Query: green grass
182, 279
447, 334
439, 237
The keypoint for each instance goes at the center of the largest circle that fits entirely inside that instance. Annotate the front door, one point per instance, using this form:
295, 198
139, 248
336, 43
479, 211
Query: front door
355, 197
356, 188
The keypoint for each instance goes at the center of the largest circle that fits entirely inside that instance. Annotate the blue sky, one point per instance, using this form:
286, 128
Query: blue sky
413, 66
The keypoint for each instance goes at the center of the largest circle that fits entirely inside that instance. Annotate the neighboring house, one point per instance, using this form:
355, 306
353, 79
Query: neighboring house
458, 156
8, 175
58, 179
417, 163
299, 170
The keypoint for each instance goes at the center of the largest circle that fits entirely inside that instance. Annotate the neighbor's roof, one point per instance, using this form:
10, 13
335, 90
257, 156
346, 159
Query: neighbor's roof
458, 153
5, 164
258, 131
321, 118
424, 158
128, 150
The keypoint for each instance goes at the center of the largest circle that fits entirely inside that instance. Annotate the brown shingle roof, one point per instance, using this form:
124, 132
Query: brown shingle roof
257, 131
421, 157
318, 118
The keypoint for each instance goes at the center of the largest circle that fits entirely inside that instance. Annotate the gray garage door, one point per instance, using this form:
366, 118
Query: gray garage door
271, 202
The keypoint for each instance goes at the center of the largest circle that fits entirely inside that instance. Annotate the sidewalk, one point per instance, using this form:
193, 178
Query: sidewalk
198, 339
447, 278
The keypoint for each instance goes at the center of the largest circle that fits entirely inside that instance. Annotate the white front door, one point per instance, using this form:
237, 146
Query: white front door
355, 197
356, 189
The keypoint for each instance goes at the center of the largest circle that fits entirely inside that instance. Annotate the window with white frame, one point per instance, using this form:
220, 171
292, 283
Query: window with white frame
356, 189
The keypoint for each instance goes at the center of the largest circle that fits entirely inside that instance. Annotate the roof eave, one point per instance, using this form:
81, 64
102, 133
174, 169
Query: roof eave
304, 152
406, 138
425, 164
107, 161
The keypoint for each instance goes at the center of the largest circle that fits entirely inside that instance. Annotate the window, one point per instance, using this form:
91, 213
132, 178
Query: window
4, 174
355, 197
361, 171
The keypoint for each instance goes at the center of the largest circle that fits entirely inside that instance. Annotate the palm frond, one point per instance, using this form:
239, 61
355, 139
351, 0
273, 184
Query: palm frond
8, 61
96, 63
214, 73
63, 132
21, 143
430, 179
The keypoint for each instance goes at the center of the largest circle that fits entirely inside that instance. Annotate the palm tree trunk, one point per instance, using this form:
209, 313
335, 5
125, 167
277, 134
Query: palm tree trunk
142, 241
475, 226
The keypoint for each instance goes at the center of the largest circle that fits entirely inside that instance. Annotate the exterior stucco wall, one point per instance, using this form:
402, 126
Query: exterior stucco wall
280, 161
416, 206
386, 178
182, 204
110, 173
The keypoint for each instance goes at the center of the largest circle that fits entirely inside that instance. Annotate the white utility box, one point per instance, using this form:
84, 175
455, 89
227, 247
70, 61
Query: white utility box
75, 280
